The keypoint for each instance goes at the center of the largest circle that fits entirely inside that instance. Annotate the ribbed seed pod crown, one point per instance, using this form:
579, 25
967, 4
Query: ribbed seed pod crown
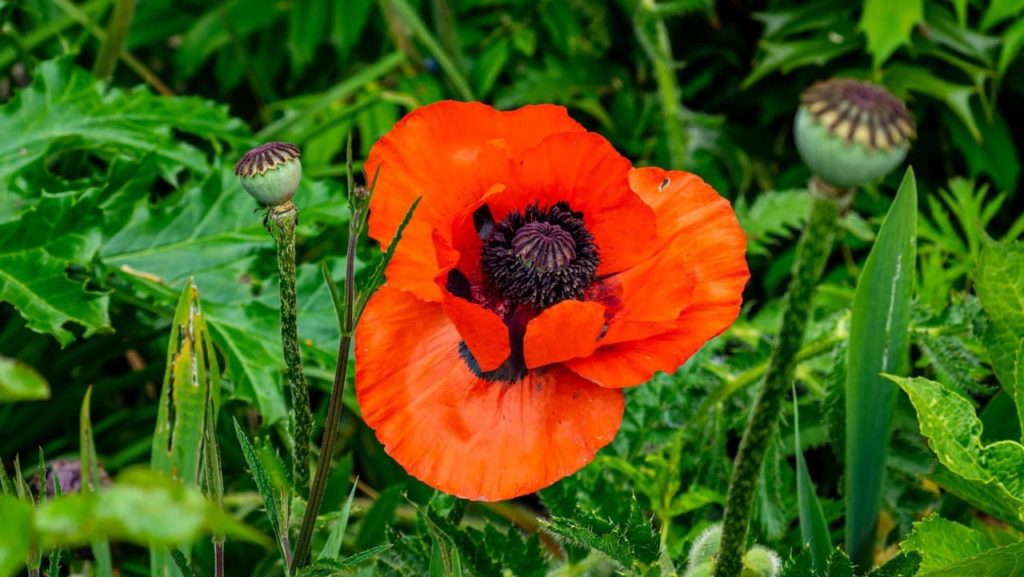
270, 172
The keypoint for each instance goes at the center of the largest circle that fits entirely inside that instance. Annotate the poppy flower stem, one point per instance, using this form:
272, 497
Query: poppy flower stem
812, 255
334, 405
285, 218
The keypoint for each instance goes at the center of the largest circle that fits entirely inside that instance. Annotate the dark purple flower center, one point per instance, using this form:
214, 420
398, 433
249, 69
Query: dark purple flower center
531, 260
539, 257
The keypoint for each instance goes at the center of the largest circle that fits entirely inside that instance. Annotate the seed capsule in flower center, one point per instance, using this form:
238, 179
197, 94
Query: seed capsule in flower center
544, 245
538, 257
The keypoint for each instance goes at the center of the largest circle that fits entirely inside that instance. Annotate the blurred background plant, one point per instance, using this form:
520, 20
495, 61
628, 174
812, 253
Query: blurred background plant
120, 124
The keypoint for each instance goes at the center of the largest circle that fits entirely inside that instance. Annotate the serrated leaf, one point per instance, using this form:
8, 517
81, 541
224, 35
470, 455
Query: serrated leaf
888, 25
328, 567
90, 482
879, 342
259, 476
1000, 288
65, 103
332, 547
902, 565
902, 79
988, 476
773, 216
942, 542
35, 251
626, 543
20, 382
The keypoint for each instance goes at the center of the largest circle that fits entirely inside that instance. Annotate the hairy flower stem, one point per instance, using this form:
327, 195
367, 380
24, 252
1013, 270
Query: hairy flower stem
334, 406
812, 255
285, 217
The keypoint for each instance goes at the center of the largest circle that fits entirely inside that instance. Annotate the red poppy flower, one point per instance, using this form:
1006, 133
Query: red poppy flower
540, 274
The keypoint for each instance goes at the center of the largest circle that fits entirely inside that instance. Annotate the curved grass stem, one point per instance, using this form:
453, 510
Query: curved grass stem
812, 255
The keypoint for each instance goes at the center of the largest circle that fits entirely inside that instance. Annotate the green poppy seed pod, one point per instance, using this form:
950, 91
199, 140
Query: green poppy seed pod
270, 172
850, 133
760, 561
705, 569
705, 547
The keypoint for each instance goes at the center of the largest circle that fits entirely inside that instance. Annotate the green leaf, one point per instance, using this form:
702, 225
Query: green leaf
332, 548
20, 382
377, 279
903, 79
813, 526
987, 476
141, 506
259, 476
327, 567
773, 216
65, 104
888, 25
879, 341
1000, 10
624, 541
942, 542
183, 565
191, 381
902, 565
489, 65
410, 17
373, 530
1013, 41
1000, 288
35, 251
90, 483
15, 534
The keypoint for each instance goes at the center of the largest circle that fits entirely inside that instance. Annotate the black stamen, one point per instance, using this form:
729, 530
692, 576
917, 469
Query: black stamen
483, 220
458, 284
513, 369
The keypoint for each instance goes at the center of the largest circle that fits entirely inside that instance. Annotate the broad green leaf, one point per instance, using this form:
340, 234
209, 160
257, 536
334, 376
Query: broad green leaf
987, 476
813, 526
142, 507
489, 65
20, 382
942, 542
949, 549
15, 534
35, 251
1000, 287
65, 104
888, 25
879, 341
1013, 41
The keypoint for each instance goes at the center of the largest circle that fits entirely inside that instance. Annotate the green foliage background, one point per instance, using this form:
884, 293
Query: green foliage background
116, 189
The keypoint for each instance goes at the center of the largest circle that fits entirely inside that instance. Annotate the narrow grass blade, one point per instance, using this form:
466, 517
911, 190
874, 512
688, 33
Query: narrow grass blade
91, 480
813, 526
181, 562
332, 548
411, 19
336, 298
378, 274
879, 340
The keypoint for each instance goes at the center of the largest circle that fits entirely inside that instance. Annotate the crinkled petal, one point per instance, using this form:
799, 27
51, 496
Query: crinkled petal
567, 330
458, 433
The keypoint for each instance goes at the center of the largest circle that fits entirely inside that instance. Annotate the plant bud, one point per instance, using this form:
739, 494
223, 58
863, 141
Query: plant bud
270, 172
850, 133
760, 561
705, 569
705, 547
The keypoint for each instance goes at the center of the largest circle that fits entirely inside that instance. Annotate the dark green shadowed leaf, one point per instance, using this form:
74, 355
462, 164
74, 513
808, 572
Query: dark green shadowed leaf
813, 526
35, 251
879, 341
181, 562
20, 382
332, 548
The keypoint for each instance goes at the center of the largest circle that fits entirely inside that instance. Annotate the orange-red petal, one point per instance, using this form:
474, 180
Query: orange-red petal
463, 435
567, 330
584, 170
450, 154
701, 242
483, 331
